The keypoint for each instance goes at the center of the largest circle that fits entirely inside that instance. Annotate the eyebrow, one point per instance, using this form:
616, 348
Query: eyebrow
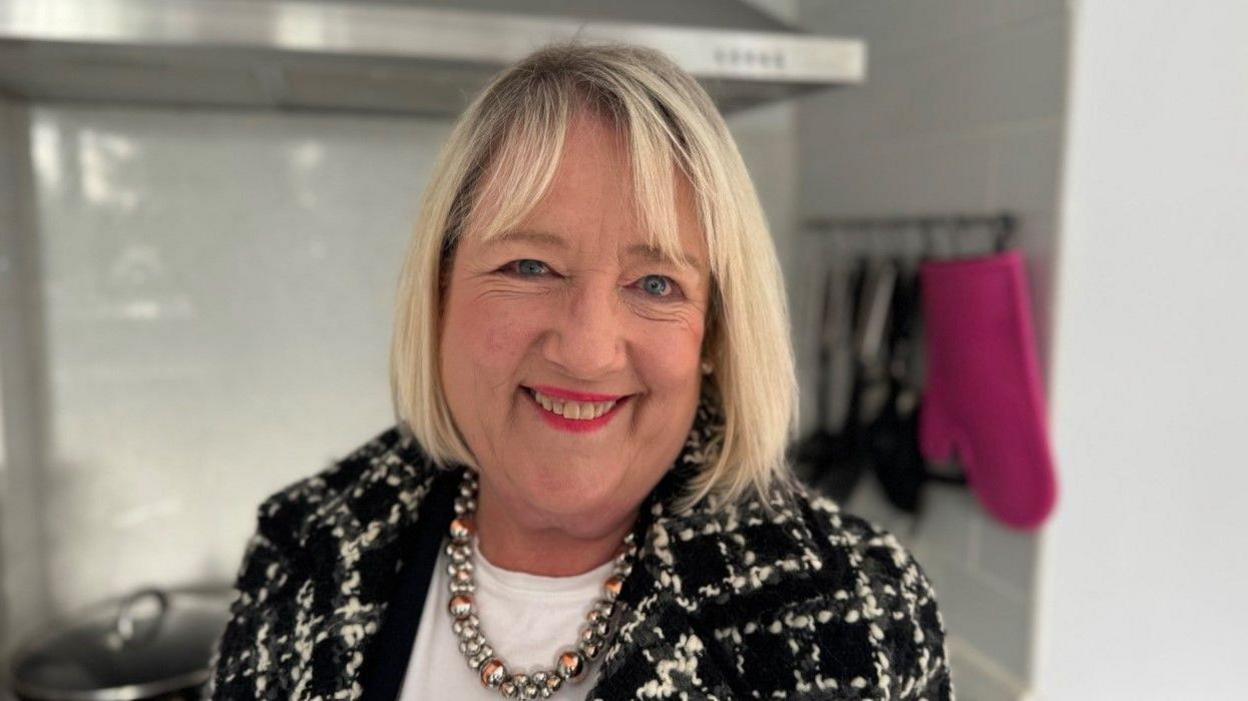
640, 250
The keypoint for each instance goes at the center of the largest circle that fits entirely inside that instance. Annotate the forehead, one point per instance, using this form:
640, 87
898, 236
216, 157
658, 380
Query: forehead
593, 200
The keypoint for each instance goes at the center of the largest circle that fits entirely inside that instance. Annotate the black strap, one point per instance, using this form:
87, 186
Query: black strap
390, 651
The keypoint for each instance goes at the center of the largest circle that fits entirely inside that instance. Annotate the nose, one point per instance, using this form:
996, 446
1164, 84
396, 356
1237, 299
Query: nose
587, 341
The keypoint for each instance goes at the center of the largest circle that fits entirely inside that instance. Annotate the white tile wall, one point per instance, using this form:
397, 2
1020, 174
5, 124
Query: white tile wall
217, 295
962, 113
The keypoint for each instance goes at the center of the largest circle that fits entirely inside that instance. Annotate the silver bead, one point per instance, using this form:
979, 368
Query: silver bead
460, 624
539, 678
606, 607
472, 634
553, 683
458, 553
590, 650
521, 681
508, 689
463, 587
478, 660
601, 628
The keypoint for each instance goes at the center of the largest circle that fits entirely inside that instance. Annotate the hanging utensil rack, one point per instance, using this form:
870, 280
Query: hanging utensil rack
1002, 225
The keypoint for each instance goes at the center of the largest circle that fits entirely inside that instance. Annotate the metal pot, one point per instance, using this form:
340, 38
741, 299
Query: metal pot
153, 644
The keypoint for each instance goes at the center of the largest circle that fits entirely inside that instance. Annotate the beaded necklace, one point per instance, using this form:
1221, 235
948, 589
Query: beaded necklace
570, 664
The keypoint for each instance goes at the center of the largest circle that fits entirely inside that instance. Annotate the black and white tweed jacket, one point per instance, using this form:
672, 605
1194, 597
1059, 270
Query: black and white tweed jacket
805, 602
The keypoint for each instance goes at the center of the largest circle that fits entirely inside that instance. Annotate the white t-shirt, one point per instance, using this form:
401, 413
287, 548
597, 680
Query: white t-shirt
527, 619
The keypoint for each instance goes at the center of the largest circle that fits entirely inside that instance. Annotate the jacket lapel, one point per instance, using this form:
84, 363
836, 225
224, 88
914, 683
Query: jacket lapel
353, 550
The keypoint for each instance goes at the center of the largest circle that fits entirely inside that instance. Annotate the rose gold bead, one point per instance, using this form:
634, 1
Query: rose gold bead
613, 585
571, 665
461, 605
462, 529
493, 673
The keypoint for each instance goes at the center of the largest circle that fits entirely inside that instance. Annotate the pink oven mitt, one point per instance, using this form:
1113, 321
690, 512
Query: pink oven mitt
983, 397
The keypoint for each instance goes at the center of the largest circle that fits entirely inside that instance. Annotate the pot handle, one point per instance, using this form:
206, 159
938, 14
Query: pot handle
124, 624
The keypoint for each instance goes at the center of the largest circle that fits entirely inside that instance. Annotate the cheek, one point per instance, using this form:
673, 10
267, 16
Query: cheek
670, 356
488, 337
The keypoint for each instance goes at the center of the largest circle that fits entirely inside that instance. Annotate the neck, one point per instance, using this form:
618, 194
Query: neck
520, 545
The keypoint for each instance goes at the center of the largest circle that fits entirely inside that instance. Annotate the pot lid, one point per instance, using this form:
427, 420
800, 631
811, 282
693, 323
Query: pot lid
148, 643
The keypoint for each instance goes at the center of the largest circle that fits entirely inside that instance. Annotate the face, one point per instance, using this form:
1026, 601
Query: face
572, 305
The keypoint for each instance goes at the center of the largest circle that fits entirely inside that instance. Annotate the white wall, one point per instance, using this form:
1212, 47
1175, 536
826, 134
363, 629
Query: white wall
962, 112
1144, 567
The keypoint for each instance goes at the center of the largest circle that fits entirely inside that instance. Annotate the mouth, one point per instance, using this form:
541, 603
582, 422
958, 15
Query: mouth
574, 415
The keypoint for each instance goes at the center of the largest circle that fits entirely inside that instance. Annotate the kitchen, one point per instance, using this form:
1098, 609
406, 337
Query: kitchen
203, 205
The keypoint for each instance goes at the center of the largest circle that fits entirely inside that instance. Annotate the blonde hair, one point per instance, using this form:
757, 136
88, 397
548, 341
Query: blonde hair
514, 131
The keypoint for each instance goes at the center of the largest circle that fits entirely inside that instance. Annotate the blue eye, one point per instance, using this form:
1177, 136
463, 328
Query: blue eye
529, 267
657, 285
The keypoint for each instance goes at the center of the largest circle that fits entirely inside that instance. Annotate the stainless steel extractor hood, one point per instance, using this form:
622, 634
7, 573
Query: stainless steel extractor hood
406, 57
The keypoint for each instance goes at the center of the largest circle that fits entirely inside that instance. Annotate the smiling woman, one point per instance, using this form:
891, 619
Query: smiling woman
575, 310
594, 389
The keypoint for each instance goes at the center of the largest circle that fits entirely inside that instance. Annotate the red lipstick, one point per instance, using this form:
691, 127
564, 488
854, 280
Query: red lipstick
558, 393
576, 425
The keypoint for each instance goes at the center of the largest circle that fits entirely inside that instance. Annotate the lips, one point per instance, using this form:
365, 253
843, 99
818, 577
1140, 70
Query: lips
573, 395
575, 416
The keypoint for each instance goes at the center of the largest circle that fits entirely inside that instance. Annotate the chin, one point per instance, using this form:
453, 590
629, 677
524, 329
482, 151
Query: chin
579, 504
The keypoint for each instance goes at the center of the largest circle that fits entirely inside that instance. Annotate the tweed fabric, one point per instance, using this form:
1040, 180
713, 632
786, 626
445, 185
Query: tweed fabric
800, 600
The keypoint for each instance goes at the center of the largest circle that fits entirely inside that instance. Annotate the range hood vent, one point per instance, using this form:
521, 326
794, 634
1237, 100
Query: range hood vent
394, 57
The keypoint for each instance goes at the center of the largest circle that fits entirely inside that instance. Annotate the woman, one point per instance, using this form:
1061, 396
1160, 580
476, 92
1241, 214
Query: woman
585, 493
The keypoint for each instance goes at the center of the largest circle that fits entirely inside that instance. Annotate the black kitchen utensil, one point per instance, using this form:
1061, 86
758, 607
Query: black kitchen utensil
893, 436
825, 459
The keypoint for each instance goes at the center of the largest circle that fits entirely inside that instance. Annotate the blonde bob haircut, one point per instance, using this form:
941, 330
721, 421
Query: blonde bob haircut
504, 151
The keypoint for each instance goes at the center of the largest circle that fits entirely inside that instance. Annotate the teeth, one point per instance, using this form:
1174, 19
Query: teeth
580, 411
